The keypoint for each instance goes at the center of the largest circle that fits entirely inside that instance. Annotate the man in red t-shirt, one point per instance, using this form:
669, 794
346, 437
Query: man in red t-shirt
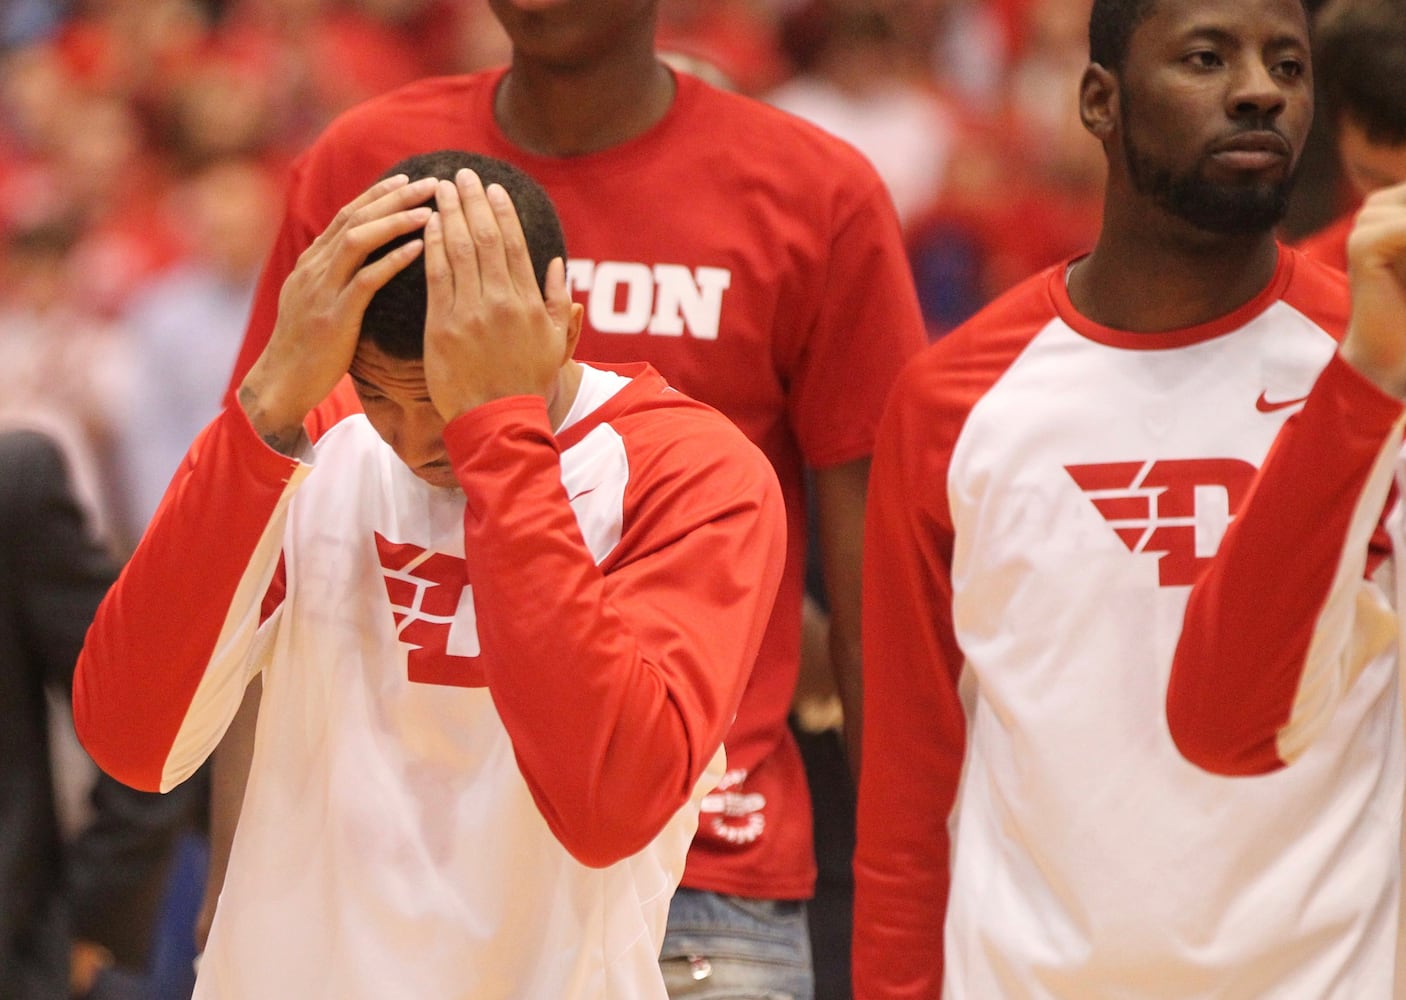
757, 263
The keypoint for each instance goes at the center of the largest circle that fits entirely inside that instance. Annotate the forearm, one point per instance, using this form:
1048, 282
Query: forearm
1239, 670
616, 689
165, 664
840, 496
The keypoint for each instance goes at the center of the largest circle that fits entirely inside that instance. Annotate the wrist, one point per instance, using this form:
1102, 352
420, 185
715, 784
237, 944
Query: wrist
1387, 374
280, 427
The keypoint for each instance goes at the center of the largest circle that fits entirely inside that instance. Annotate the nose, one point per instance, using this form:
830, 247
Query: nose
417, 435
1255, 91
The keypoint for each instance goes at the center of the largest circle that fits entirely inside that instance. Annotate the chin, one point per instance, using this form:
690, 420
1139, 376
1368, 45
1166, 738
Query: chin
441, 478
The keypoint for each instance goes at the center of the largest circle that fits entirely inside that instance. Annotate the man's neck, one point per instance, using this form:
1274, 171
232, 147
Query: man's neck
1143, 280
555, 112
568, 386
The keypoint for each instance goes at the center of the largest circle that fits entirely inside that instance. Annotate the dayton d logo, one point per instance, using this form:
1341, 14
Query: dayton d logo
433, 606
1177, 509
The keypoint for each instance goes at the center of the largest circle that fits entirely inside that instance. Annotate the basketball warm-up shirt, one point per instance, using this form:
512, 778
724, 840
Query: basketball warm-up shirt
489, 716
1045, 493
752, 259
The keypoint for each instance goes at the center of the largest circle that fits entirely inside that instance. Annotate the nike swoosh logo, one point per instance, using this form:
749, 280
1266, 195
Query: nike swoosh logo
1264, 405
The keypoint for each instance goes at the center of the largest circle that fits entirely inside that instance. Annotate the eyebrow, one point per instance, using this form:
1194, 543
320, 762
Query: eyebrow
1222, 36
366, 386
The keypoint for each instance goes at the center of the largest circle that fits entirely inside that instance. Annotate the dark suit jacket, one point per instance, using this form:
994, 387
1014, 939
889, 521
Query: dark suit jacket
105, 886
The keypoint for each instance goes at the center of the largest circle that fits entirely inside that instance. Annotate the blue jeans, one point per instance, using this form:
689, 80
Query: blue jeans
721, 947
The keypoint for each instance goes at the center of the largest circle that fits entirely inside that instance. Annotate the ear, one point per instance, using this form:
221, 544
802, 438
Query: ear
574, 320
1098, 102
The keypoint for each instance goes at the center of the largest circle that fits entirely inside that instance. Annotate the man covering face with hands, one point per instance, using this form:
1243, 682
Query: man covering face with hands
503, 616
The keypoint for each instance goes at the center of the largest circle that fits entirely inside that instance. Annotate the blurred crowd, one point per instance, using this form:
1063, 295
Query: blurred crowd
143, 145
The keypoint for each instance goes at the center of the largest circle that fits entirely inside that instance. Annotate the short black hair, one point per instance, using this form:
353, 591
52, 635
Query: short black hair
1359, 60
1111, 27
395, 318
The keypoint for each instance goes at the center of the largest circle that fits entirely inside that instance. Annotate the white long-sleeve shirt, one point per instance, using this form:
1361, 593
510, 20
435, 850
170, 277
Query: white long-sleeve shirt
488, 717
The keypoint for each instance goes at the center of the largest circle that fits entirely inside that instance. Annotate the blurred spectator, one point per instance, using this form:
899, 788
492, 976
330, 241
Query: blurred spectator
80, 154
56, 359
224, 105
1042, 83
185, 325
990, 179
855, 82
36, 94
969, 45
1023, 187
1360, 66
112, 183
22, 21
736, 38
126, 49
322, 56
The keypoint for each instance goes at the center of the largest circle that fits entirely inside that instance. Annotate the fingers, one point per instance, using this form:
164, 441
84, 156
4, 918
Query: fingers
1375, 342
483, 238
1378, 238
384, 211
380, 220
376, 233
439, 276
383, 198
370, 278
460, 249
517, 260
484, 229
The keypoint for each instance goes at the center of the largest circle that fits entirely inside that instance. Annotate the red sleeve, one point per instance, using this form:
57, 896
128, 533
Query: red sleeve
867, 326
624, 677
169, 654
1255, 673
914, 727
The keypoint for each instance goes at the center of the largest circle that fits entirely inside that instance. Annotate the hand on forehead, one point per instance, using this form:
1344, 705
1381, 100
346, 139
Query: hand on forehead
483, 237
489, 332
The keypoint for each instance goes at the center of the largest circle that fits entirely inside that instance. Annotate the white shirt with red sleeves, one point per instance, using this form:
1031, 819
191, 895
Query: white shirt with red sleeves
1045, 494
489, 716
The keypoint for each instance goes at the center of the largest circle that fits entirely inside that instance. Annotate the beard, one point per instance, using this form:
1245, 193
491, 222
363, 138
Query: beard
1224, 209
